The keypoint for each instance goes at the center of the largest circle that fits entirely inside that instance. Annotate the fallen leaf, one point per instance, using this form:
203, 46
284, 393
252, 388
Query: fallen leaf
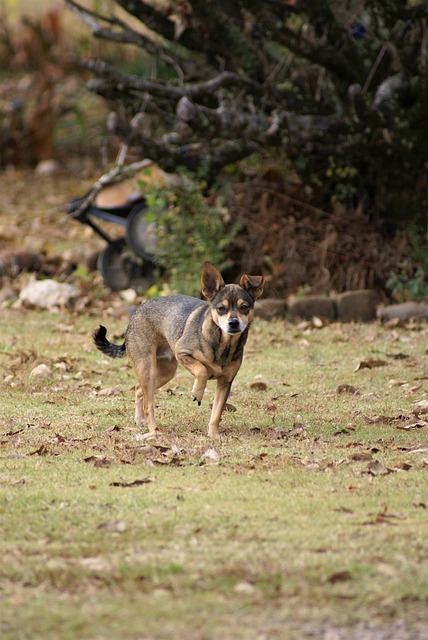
403, 466
339, 576
13, 483
117, 526
414, 425
65, 328
344, 431
361, 456
100, 462
299, 428
135, 483
308, 463
41, 451
57, 439
416, 449
384, 517
114, 428
14, 433
397, 383
347, 388
370, 364
420, 505
258, 386
375, 468
94, 564
256, 430
109, 391
61, 366
384, 419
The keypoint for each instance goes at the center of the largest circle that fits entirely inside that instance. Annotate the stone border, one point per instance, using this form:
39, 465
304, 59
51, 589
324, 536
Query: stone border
352, 306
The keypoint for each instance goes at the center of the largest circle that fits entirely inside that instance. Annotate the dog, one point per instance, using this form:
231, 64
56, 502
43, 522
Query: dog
206, 337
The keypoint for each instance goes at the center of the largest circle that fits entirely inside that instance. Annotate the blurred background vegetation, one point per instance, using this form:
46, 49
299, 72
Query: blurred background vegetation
305, 122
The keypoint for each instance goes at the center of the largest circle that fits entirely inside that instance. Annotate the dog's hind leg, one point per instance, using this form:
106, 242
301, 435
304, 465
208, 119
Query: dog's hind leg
140, 419
166, 366
153, 369
144, 364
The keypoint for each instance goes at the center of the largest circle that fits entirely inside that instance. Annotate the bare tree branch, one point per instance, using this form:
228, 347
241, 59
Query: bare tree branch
339, 88
195, 90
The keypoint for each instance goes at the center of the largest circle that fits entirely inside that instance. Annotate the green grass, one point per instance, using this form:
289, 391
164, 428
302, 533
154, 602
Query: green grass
285, 531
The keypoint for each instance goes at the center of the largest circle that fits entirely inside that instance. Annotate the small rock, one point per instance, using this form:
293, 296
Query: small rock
211, 454
245, 588
47, 168
405, 311
48, 294
129, 295
41, 371
422, 406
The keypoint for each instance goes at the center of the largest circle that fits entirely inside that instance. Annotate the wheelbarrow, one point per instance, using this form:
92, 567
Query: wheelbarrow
127, 261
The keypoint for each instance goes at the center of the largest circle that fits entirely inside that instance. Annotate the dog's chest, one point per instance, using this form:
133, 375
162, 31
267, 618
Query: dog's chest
227, 349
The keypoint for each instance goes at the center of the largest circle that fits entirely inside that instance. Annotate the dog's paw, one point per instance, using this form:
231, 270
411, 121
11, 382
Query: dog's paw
149, 435
198, 391
214, 432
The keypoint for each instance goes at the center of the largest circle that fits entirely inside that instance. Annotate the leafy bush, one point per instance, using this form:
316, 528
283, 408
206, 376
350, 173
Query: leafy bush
190, 229
406, 285
410, 282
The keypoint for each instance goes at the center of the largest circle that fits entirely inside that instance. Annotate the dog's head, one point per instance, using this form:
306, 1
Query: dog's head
232, 305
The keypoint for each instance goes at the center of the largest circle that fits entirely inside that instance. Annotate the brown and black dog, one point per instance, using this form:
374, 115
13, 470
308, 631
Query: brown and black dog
207, 338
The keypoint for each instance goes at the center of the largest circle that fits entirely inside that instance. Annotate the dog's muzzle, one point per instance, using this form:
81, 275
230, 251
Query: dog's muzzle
234, 326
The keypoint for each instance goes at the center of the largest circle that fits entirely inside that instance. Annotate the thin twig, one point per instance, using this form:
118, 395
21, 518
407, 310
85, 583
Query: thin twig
117, 174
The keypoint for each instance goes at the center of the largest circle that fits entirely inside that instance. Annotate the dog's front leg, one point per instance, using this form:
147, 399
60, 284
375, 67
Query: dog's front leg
200, 372
220, 398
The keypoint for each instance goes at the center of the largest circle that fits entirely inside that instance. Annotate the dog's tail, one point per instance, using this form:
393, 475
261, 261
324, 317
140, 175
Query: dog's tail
103, 345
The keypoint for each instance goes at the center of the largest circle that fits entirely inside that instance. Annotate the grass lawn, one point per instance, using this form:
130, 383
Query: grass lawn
308, 518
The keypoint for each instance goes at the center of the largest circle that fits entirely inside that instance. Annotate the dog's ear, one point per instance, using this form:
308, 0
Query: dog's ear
211, 281
253, 285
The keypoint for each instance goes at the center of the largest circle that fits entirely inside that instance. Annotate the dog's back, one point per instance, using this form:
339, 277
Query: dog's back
166, 316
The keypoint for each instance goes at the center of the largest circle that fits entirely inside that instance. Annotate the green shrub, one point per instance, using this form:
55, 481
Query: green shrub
190, 229
408, 285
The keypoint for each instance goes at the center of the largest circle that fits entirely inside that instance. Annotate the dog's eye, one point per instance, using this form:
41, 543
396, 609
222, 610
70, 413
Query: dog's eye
221, 309
244, 308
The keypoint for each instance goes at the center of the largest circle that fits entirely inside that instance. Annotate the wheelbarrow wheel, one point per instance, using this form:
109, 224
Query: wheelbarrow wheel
115, 266
140, 233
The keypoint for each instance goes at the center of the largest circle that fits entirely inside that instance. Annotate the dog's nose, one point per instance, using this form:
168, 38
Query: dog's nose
234, 324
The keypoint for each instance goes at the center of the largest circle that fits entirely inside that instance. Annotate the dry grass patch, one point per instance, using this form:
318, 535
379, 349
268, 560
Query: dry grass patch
309, 514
